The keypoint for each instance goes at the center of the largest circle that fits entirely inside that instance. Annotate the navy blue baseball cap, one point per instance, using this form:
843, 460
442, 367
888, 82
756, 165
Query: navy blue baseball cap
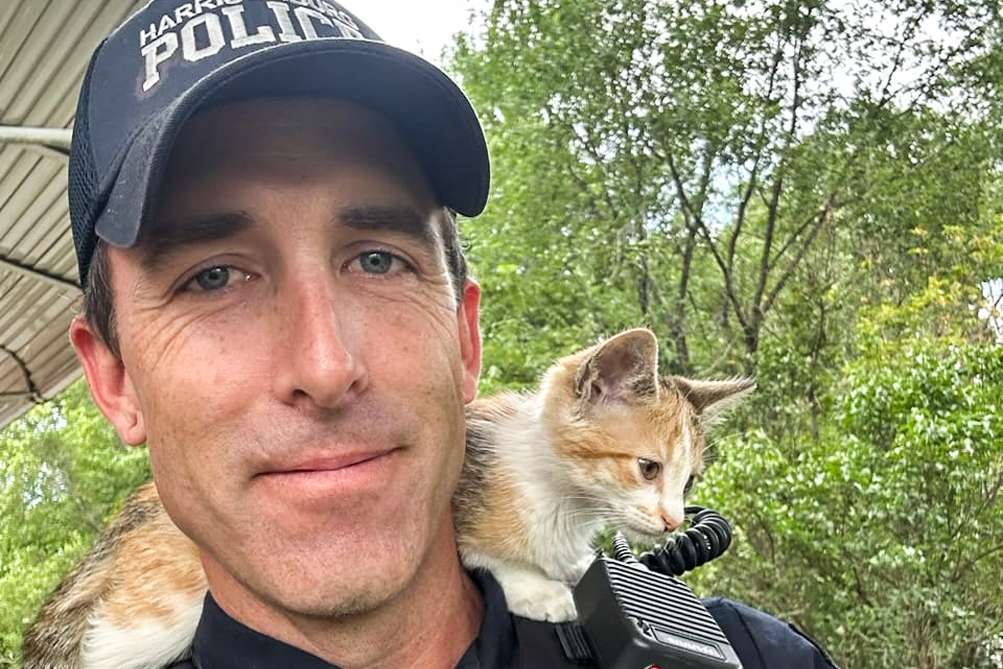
172, 58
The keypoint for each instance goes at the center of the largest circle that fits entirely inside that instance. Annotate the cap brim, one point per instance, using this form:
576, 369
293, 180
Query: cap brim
432, 113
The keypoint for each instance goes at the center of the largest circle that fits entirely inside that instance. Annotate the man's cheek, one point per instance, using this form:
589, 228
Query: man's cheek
429, 303
203, 350
161, 337
193, 402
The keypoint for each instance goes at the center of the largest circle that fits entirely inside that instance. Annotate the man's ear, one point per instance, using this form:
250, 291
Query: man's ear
110, 385
623, 369
469, 322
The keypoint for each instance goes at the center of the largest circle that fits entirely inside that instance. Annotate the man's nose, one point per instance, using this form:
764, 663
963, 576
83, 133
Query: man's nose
322, 363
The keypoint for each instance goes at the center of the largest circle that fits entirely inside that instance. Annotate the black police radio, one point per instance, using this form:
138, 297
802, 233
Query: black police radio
635, 613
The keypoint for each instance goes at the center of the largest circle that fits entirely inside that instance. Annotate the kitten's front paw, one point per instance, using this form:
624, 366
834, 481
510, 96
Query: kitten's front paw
550, 602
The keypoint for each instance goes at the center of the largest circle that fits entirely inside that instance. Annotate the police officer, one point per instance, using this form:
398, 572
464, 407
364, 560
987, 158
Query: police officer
262, 195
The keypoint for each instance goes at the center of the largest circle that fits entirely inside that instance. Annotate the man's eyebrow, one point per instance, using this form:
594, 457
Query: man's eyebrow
396, 219
167, 240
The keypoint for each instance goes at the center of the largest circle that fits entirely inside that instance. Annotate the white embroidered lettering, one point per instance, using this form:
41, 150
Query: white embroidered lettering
197, 32
235, 16
346, 18
348, 30
147, 35
305, 16
287, 32
201, 6
185, 11
189, 42
166, 23
155, 53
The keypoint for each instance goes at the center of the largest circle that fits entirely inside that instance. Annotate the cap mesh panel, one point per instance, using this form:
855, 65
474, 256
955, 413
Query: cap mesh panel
83, 181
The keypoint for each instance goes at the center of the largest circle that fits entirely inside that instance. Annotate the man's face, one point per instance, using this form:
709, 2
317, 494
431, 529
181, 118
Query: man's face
294, 355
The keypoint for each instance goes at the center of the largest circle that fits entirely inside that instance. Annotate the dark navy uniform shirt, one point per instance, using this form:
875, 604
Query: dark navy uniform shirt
223, 643
761, 641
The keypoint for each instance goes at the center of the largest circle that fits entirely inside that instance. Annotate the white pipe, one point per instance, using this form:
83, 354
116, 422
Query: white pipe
56, 138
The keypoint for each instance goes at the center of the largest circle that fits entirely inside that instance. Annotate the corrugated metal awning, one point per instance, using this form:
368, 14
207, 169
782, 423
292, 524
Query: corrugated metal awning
44, 49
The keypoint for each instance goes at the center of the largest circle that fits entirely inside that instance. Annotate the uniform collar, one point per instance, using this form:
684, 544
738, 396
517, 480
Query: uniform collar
223, 643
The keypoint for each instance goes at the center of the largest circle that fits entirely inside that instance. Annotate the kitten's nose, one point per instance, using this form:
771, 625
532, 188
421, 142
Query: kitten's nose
672, 521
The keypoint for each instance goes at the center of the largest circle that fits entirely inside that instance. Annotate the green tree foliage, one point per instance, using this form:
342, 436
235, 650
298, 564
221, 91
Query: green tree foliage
884, 536
63, 472
807, 191
669, 161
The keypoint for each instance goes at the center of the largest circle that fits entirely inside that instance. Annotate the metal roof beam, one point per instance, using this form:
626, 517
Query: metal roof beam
34, 273
32, 391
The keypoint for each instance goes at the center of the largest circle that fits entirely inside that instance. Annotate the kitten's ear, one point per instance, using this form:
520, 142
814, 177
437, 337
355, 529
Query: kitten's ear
624, 368
711, 398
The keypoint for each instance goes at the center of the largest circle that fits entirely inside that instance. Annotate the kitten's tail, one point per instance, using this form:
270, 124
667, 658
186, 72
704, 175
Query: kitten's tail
55, 639
76, 628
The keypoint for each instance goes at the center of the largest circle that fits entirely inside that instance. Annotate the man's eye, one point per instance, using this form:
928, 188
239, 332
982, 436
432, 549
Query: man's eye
213, 278
377, 262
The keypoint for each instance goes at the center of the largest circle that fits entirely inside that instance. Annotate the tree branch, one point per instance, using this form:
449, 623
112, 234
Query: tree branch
773, 210
793, 265
968, 564
797, 233
678, 327
32, 391
754, 172
695, 219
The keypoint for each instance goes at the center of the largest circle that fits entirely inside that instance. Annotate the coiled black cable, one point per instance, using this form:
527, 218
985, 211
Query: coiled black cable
621, 549
707, 538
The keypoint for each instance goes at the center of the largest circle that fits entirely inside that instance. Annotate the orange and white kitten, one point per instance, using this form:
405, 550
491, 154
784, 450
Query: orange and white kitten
604, 442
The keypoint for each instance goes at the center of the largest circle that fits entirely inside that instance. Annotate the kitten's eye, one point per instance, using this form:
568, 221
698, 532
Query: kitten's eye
649, 468
689, 484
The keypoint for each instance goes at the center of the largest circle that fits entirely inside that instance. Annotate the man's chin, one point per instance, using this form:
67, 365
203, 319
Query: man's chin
350, 586
341, 603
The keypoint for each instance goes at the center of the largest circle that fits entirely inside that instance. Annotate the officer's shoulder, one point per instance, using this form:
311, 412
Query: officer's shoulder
762, 640
183, 664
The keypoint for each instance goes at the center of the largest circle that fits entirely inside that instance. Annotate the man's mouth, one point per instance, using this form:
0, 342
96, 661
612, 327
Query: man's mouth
327, 476
324, 463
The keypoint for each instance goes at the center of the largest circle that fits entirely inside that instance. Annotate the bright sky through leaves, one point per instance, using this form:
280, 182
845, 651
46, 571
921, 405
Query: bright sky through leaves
421, 27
